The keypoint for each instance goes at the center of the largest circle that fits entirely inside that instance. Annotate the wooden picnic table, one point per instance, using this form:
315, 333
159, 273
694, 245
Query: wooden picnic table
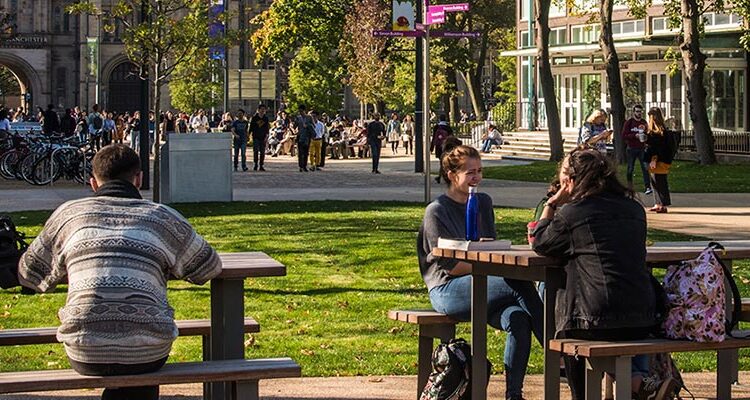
228, 308
521, 263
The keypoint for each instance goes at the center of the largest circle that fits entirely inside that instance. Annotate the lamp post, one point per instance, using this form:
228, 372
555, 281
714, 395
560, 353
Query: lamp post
144, 137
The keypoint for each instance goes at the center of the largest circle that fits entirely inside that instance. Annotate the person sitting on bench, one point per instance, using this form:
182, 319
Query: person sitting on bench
512, 305
117, 251
595, 224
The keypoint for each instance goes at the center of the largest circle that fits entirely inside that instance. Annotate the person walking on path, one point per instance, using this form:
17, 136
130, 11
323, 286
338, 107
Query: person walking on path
407, 134
316, 146
634, 135
512, 305
393, 132
662, 146
239, 133
375, 135
440, 132
116, 251
305, 135
260, 126
199, 122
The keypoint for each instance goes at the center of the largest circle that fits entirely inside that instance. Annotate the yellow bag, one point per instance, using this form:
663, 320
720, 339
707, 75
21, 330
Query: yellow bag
662, 168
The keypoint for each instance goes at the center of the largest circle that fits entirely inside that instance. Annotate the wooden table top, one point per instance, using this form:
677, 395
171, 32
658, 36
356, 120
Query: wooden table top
254, 264
523, 256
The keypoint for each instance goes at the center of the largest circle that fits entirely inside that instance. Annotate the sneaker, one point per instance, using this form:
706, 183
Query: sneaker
648, 191
653, 388
244, 169
255, 168
261, 169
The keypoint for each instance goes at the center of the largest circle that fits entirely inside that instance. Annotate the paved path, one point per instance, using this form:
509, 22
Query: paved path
377, 387
715, 215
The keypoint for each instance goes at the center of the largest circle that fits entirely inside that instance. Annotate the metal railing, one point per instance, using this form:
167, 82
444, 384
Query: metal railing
725, 142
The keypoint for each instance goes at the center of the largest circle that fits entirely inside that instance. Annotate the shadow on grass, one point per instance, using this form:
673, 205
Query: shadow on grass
310, 292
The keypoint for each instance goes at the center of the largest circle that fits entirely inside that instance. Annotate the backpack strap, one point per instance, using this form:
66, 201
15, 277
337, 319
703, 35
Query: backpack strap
732, 320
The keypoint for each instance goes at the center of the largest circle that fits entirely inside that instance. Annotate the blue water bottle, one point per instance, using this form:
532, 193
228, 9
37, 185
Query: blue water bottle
472, 215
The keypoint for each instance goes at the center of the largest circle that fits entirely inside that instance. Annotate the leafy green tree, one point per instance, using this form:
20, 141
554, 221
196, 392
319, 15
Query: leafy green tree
194, 84
315, 80
288, 25
370, 72
8, 83
174, 33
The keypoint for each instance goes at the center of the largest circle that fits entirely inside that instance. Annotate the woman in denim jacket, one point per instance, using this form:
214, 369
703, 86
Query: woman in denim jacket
597, 228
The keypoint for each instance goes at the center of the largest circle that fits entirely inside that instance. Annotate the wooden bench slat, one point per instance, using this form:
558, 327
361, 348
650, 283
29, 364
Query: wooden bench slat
421, 317
189, 327
651, 346
207, 371
745, 310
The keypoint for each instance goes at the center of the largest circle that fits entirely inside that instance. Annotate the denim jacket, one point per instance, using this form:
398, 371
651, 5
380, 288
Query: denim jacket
602, 241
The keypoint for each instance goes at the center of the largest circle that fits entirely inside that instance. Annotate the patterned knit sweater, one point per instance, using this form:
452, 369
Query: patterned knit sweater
117, 254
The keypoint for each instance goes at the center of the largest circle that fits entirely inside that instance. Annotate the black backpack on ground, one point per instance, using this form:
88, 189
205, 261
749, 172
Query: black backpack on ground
451, 372
12, 246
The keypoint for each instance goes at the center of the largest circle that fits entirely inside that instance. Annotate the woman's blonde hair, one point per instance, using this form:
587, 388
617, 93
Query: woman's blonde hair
656, 123
596, 114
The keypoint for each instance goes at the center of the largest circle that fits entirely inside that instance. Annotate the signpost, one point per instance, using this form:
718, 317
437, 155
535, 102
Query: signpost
432, 15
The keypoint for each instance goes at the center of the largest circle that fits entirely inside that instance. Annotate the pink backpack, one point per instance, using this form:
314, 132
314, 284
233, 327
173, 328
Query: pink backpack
696, 298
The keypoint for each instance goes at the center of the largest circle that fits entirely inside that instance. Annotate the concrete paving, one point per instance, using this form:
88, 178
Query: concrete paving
378, 388
713, 215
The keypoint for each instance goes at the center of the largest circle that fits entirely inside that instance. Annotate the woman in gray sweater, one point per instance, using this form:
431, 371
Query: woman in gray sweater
513, 306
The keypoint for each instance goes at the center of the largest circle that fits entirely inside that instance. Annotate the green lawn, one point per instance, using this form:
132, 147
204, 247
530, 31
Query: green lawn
348, 264
685, 176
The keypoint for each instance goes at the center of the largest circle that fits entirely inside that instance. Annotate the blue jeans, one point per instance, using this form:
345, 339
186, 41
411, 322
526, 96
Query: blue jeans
240, 148
513, 306
633, 155
375, 153
487, 144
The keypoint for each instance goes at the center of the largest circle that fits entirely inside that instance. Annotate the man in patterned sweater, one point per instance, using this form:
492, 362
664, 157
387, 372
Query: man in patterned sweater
117, 252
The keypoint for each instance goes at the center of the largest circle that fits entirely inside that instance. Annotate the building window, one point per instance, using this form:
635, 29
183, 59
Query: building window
721, 21
524, 10
724, 102
61, 85
57, 19
585, 33
580, 60
524, 40
558, 36
629, 28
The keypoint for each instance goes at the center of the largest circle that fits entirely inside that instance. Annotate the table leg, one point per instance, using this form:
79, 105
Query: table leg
227, 327
724, 374
734, 361
479, 337
551, 358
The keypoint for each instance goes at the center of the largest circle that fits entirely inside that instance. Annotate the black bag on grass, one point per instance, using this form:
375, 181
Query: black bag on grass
451, 372
12, 246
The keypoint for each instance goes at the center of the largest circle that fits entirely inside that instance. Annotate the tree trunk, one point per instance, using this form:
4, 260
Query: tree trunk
157, 134
475, 94
694, 62
452, 104
614, 83
546, 79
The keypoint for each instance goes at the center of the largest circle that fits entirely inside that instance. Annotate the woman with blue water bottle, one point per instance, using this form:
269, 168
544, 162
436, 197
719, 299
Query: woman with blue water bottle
513, 306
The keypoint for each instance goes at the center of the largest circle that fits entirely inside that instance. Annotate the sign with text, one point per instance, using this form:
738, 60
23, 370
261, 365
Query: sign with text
443, 34
381, 33
437, 17
252, 84
449, 7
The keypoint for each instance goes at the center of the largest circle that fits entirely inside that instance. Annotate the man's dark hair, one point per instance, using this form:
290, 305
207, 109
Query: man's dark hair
262, 106
302, 107
95, 107
241, 110
116, 162
637, 106
50, 106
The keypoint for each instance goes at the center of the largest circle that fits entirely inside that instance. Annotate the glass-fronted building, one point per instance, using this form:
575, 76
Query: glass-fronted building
580, 78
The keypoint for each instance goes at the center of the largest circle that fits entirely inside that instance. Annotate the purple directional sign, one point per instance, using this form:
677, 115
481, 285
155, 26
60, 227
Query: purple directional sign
444, 34
384, 33
449, 7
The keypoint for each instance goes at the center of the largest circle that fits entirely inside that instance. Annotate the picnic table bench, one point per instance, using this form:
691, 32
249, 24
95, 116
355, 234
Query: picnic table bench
224, 369
241, 375
614, 358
